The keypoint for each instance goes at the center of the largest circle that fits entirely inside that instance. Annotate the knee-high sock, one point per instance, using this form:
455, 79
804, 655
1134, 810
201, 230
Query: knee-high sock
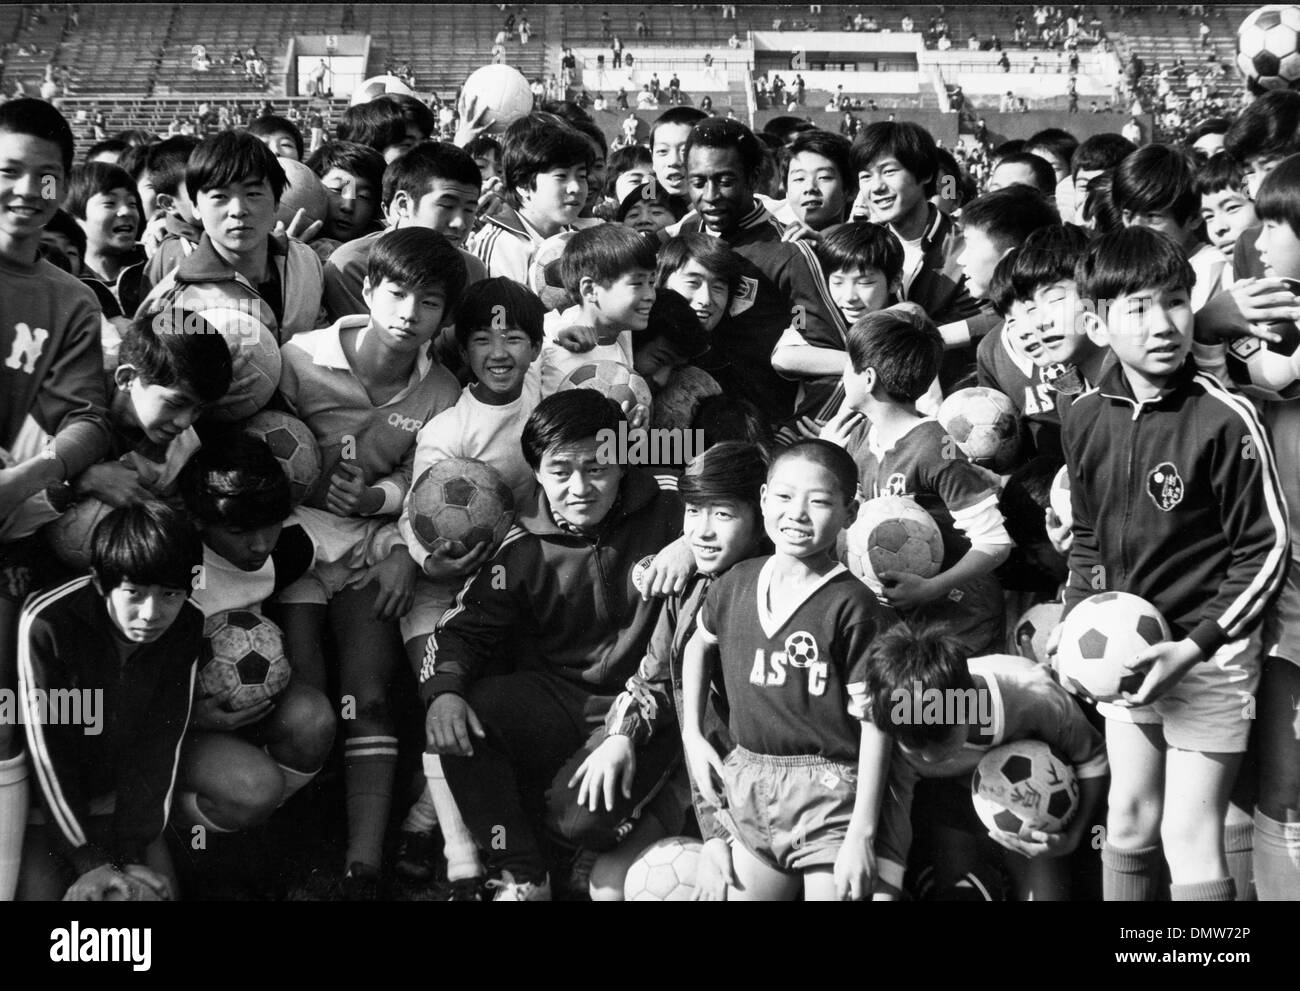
13, 822
423, 815
369, 763
1222, 890
1277, 859
1130, 875
188, 803
457, 844
1238, 846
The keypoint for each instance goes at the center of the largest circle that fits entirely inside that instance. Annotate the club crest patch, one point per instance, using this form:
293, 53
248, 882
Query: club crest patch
744, 296
638, 572
1165, 486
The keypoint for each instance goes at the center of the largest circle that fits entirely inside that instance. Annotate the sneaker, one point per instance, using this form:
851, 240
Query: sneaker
360, 883
415, 855
509, 890
580, 873
466, 889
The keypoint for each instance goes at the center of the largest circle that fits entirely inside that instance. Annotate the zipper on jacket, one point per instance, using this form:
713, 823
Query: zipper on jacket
1130, 495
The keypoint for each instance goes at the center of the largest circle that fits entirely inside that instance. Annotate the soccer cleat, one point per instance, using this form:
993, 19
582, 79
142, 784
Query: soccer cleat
466, 889
361, 883
579, 883
415, 854
509, 890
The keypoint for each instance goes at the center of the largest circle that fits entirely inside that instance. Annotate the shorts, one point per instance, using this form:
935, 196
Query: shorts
792, 813
1211, 709
1282, 620
431, 600
321, 584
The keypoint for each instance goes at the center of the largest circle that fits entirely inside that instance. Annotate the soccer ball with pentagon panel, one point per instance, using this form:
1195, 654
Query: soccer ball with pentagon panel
69, 535
1266, 369
304, 192
677, 402
665, 871
254, 350
1268, 48
1100, 640
611, 380
1023, 787
893, 533
294, 446
459, 503
1060, 497
377, 86
984, 425
1033, 629
500, 88
242, 659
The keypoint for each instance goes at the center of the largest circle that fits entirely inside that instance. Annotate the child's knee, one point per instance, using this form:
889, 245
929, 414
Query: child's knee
311, 723
253, 791
1132, 819
607, 876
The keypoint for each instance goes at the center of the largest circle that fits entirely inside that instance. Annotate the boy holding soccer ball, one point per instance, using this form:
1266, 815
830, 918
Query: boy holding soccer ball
1175, 498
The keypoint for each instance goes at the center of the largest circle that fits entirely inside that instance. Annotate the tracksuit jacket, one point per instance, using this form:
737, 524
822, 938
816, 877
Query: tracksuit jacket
1177, 500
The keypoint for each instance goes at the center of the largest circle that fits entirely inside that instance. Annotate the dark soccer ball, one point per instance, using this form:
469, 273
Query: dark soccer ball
893, 533
294, 446
242, 660
458, 504
983, 423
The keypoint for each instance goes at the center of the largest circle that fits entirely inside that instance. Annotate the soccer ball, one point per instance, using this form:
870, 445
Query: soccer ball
242, 659
1266, 370
304, 191
611, 380
253, 347
459, 503
501, 88
1099, 641
984, 425
1023, 787
377, 86
893, 533
665, 871
543, 272
801, 649
293, 445
1268, 48
325, 247
679, 400
1060, 497
69, 535
1034, 627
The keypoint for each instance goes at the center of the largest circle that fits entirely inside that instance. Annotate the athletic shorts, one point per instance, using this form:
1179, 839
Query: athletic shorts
1282, 620
1212, 708
432, 599
792, 813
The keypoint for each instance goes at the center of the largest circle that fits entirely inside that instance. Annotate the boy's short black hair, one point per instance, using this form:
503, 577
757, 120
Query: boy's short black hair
114, 146
1268, 128
1044, 175
164, 163
723, 132
855, 247
568, 417
487, 301
603, 254
623, 160
134, 137
232, 156
264, 127
835, 148
378, 124
903, 663
713, 255
538, 143
724, 418
1129, 260
483, 146
732, 471
1278, 199
1210, 125
1013, 147
1219, 172
786, 129
1099, 204
93, 178
416, 171
587, 126
40, 120
236, 483
903, 346
1002, 290
650, 191
1101, 151
361, 161
418, 258
176, 348
967, 189
146, 544
910, 143
1060, 143
830, 456
413, 111
673, 321
1157, 178
689, 116
63, 223
1048, 255
1009, 215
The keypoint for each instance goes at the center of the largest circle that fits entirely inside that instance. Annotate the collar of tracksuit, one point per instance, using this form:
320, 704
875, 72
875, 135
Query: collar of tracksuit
637, 490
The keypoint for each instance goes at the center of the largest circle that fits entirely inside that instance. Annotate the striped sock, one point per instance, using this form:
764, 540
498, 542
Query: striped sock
1221, 890
13, 822
458, 845
1277, 859
188, 803
1239, 848
1129, 875
369, 763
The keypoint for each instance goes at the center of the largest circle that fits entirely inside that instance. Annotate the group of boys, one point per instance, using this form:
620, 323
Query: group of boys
664, 649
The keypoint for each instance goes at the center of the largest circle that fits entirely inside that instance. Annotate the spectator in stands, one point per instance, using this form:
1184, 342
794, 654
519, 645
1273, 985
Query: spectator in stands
620, 101
604, 25
642, 26
616, 48
630, 124
525, 30
645, 99
706, 104
734, 41
973, 42
1133, 131
907, 24
849, 125
674, 90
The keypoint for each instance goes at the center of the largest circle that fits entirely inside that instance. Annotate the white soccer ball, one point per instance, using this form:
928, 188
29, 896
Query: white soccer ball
893, 533
1023, 787
1100, 640
377, 86
1060, 497
665, 872
1268, 48
501, 88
